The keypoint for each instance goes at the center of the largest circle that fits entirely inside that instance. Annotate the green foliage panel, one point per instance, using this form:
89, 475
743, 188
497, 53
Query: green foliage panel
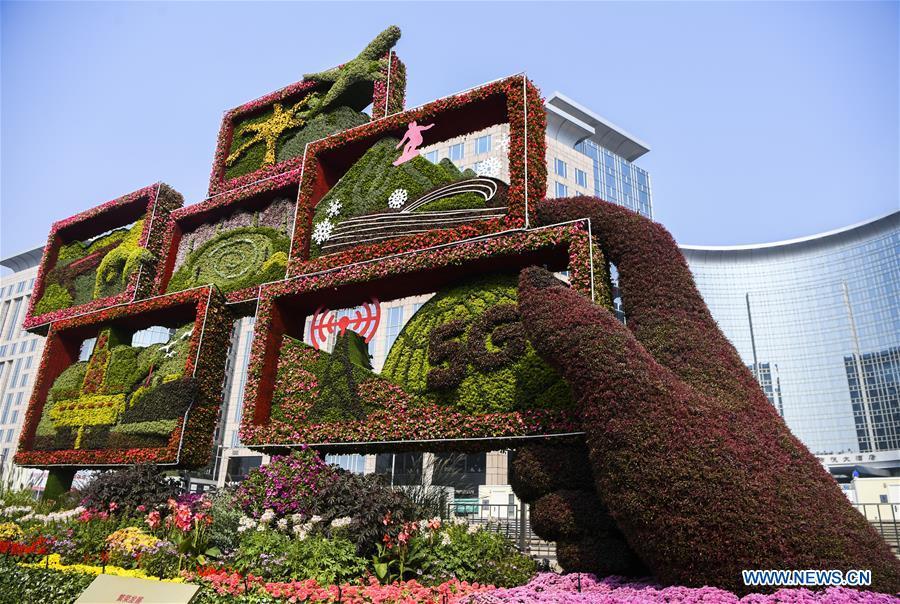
236, 259
369, 183
450, 354
88, 270
133, 398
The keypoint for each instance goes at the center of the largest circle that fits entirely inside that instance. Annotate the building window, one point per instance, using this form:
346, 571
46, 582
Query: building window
562, 190
580, 178
483, 144
151, 335
87, 347
394, 324
432, 156
560, 167
456, 152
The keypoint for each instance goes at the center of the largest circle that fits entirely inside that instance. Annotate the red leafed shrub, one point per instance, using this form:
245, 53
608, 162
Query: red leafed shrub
700, 473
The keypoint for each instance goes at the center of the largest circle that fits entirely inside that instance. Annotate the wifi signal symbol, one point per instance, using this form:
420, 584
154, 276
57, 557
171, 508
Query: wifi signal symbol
364, 321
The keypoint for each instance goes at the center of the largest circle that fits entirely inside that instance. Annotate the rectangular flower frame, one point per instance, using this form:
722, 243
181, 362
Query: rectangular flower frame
387, 98
283, 308
190, 444
152, 203
514, 100
213, 209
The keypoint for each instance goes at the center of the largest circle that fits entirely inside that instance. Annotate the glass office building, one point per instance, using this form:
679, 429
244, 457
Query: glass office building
20, 356
817, 320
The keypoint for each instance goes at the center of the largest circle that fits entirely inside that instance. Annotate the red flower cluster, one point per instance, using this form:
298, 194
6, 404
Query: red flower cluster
208, 346
38, 547
394, 84
152, 204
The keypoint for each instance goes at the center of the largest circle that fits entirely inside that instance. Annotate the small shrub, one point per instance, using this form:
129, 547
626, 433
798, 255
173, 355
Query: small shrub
130, 487
289, 484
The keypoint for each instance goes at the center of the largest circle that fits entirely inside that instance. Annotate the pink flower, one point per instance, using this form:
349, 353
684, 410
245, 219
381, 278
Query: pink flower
113, 506
183, 518
142, 508
153, 519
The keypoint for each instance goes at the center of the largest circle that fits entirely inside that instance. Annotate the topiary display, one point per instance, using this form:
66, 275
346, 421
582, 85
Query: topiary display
374, 185
87, 270
466, 348
123, 397
722, 485
235, 259
320, 126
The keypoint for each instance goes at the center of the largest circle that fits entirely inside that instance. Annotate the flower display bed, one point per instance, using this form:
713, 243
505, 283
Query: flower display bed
236, 240
551, 588
103, 392
86, 268
512, 100
393, 415
287, 139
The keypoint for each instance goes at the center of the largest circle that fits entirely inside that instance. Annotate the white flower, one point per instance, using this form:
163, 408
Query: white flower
299, 531
341, 522
398, 198
296, 519
315, 519
488, 167
246, 523
445, 539
323, 231
472, 529
268, 516
282, 524
334, 208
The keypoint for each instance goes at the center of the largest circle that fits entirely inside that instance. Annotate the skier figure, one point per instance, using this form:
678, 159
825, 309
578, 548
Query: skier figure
412, 138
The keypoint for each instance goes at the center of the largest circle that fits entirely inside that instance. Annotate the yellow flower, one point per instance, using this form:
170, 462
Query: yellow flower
131, 539
53, 561
10, 531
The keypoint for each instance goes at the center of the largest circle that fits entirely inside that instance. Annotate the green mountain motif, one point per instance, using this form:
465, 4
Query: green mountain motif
369, 183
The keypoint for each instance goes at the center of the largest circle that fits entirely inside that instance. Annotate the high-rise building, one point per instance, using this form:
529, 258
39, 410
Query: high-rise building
20, 356
818, 321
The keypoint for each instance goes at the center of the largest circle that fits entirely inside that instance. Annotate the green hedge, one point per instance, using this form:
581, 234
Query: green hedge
293, 143
239, 258
465, 348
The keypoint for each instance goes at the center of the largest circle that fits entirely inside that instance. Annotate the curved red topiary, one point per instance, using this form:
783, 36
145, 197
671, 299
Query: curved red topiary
699, 471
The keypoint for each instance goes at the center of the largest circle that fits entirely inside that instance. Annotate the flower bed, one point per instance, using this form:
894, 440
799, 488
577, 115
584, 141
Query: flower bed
388, 89
586, 588
259, 215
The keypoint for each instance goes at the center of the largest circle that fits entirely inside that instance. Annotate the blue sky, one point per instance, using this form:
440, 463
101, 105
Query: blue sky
766, 121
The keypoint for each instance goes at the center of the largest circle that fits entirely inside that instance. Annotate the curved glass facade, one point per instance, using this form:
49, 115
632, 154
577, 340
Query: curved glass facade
818, 322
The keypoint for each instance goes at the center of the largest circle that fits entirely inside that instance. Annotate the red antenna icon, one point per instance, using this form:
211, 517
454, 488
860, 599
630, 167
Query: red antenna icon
364, 321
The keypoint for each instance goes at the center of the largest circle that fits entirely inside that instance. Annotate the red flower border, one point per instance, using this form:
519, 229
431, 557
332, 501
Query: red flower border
191, 444
210, 210
156, 201
398, 277
514, 99
217, 181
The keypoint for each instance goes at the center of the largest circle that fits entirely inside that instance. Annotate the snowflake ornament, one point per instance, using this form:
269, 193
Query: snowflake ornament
503, 143
398, 198
488, 167
334, 208
323, 231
